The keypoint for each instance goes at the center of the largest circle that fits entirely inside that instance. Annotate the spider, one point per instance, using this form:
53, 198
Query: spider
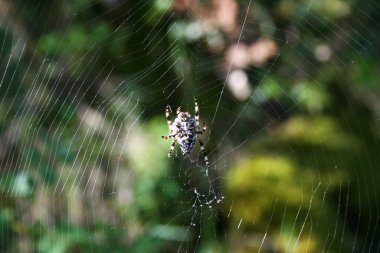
185, 130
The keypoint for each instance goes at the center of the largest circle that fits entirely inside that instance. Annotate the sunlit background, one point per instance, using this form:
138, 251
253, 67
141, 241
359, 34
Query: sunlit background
289, 91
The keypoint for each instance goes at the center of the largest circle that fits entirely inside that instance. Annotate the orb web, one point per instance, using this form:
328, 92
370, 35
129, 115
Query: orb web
287, 90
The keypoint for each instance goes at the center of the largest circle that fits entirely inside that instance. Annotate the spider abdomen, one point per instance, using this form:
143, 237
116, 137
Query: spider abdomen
187, 134
187, 143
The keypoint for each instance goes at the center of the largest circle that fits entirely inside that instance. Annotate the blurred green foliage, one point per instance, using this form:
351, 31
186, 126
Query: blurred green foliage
293, 137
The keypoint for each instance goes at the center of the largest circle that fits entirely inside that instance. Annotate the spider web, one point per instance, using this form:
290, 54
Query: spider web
288, 90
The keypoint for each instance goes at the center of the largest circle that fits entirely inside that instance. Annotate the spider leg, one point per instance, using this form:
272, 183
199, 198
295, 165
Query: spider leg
172, 147
178, 110
166, 137
199, 131
167, 115
204, 128
196, 112
205, 157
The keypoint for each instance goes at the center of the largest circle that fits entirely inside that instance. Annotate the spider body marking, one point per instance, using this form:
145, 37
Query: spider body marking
185, 130
183, 127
